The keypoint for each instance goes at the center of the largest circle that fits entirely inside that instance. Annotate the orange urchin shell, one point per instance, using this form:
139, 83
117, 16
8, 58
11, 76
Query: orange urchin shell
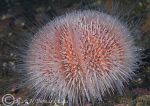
80, 56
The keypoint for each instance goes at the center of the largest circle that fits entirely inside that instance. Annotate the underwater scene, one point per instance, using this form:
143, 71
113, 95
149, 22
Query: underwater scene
74, 52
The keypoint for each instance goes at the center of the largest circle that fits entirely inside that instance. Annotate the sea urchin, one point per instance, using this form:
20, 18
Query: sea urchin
80, 56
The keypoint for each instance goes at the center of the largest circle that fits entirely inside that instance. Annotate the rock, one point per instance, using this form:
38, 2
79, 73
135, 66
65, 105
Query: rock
143, 100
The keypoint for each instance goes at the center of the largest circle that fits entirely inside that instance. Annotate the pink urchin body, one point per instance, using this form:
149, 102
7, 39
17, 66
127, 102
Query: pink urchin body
80, 57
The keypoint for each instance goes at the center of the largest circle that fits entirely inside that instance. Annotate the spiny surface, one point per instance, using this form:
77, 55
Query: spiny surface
79, 57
